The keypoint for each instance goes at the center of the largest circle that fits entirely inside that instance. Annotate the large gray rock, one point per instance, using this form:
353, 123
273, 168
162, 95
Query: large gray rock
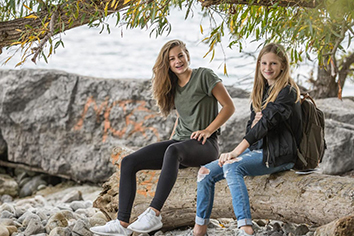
234, 129
66, 124
339, 135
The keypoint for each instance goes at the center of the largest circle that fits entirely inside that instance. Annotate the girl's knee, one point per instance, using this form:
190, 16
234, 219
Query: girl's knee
232, 167
202, 173
174, 153
127, 163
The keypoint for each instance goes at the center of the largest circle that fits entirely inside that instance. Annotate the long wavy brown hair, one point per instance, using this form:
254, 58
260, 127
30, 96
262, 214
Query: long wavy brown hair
282, 81
164, 81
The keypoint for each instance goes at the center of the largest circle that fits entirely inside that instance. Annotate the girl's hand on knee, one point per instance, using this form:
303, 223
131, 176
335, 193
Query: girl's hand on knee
224, 157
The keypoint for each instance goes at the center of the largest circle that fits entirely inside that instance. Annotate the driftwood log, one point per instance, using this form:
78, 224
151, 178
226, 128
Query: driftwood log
340, 227
314, 199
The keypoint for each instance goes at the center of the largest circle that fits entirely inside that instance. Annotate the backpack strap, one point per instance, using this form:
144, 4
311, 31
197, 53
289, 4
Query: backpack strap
306, 95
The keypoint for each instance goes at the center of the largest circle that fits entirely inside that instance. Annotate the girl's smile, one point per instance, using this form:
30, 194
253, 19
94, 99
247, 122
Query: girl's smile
179, 61
271, 67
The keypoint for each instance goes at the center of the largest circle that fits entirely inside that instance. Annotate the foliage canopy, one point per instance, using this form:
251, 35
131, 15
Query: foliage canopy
326, 29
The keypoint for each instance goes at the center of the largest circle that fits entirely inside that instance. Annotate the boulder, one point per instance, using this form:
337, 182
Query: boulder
67, 124
339, 135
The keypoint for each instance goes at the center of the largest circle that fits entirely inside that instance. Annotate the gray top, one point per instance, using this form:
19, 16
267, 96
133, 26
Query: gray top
195, 103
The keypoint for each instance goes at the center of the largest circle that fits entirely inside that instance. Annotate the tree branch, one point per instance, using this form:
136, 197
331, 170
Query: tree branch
283, 3
345, 69
39, 49
11, 31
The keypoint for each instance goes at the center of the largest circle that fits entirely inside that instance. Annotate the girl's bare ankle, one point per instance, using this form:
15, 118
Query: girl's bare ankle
199, 230
248, 229
124, 224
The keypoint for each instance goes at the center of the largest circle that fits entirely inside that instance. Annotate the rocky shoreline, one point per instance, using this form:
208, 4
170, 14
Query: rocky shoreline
67, 209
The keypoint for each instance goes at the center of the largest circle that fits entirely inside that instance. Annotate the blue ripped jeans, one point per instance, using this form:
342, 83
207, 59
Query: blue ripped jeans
249, 163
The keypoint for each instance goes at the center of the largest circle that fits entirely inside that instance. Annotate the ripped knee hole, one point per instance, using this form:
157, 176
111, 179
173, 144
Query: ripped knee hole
203, 171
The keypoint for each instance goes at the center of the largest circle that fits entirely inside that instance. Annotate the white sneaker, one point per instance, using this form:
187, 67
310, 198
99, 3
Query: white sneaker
241, 232
146, 222
112, 228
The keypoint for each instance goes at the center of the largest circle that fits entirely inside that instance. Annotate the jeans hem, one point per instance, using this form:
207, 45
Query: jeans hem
244, 222
201, 221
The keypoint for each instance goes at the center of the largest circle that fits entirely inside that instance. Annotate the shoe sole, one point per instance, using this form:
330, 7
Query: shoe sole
146, 231
110, 234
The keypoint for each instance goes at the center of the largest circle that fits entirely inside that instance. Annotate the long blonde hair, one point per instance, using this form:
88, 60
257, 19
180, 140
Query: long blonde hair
282, 81
164, 81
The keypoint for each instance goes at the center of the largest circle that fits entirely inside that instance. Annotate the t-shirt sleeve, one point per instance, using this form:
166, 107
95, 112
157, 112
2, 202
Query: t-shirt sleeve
209, 80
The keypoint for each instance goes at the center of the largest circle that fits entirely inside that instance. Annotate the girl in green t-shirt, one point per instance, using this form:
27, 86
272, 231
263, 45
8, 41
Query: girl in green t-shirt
195, 95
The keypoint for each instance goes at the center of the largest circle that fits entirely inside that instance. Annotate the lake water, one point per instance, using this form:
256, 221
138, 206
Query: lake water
127, 53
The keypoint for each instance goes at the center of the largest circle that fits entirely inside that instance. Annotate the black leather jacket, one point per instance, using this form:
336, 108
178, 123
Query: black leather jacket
271, 132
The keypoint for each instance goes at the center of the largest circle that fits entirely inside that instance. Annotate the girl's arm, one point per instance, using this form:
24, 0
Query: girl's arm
228, 108
174, 127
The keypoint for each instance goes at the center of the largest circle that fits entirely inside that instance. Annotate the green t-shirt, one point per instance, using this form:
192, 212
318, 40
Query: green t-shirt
195, 103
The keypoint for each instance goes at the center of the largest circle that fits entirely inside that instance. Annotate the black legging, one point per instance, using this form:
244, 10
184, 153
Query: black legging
168, 156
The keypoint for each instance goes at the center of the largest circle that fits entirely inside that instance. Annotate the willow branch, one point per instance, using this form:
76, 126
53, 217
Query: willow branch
282, 3
39, 49
11, 31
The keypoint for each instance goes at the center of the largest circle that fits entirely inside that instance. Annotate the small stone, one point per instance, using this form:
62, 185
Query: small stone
41, 187
19, 211
261, 223
6, 198
276, 233
7, 207
34, 227
60, 231
288, 228
4, 231
301, 230
82, 227
6, 222
97, 221
57, 220
6, 214
75, 195
31, 186
75, 205
27, 217
44, 214
12, 229
40, 200
277, 227
8, 186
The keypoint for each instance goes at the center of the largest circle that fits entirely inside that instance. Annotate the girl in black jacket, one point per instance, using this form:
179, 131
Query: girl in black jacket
268, 145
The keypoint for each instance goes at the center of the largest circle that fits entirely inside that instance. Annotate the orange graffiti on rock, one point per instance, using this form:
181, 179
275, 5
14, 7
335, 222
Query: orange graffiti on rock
98, 110
134, 126
147, 186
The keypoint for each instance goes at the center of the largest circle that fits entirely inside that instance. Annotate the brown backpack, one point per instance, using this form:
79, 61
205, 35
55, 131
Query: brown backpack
313, 143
